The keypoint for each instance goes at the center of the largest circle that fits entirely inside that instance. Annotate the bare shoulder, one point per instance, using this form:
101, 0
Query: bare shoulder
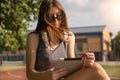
70, 32
33, 37
71, 36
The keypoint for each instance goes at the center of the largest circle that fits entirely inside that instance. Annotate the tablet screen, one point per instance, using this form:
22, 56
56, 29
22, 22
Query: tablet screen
71, 64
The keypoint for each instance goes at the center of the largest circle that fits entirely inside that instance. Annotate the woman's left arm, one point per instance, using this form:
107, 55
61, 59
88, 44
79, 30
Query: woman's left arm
71, 45
90, 57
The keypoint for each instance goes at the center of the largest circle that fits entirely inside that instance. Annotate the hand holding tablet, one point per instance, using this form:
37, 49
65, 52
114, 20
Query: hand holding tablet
71, 64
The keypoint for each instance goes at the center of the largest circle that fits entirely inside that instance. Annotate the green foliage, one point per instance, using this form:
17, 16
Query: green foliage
117, 39
116, 45
15, 17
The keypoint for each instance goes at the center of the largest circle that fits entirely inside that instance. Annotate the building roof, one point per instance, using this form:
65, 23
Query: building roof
88, 29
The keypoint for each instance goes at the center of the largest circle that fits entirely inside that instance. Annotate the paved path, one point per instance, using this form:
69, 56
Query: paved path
18, 75
115, 78
13, 75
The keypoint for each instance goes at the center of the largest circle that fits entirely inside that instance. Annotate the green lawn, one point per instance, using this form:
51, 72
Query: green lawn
4, 68
113, 71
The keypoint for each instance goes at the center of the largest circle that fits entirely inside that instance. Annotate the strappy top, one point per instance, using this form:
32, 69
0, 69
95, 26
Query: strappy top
45, 58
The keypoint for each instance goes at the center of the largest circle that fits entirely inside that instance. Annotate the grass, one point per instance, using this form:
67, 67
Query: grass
112, 71
11, 65
5, 68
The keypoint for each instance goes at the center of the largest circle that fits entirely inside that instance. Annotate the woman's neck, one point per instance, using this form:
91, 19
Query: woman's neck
54, 43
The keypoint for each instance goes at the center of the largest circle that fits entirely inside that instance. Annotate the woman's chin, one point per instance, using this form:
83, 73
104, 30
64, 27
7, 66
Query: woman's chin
56, 26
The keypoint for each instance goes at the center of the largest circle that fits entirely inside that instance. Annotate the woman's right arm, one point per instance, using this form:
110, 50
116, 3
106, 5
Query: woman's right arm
32, 74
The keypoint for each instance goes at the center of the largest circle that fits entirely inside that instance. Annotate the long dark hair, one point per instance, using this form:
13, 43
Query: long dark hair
43, 26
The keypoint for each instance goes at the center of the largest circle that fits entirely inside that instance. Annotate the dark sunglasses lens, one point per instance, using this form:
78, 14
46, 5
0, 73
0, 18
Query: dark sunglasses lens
59, 17
50, 19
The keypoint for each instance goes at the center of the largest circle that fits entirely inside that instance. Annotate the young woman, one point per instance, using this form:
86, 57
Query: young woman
52, 40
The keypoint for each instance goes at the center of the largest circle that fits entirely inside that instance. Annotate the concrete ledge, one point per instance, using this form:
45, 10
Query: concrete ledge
109, 62
115, 78
5, 63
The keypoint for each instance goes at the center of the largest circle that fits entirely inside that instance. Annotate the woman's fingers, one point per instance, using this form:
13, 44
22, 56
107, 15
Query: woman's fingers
61, 71
89, 62
58, 73
90, 58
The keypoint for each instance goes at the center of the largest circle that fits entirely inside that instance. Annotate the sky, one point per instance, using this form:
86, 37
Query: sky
82, 13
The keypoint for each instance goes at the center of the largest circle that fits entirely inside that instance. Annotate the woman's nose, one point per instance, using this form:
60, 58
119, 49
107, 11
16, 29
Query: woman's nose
55, 18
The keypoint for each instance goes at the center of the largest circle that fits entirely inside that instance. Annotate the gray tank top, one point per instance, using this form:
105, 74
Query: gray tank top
45, 58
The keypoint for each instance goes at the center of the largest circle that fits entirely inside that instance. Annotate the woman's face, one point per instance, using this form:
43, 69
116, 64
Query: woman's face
55, 16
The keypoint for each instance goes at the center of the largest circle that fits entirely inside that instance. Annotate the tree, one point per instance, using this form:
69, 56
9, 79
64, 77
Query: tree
116, 45
15, 17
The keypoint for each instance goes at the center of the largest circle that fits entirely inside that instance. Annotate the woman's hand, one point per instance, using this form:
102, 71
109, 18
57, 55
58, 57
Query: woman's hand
90, 59
58, 73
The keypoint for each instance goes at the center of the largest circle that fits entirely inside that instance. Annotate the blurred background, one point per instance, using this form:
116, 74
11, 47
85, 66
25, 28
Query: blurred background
95, 23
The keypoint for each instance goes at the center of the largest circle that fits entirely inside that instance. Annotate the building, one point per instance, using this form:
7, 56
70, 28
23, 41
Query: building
93, 39
12, 56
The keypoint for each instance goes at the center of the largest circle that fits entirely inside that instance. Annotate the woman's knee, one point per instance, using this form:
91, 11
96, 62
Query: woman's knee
96, 66
99, 72
94, 69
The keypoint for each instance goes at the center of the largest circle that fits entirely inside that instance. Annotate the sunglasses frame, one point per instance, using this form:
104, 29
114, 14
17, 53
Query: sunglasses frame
58, 17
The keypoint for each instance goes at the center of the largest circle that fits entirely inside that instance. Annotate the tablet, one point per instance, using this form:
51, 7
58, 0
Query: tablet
71, 64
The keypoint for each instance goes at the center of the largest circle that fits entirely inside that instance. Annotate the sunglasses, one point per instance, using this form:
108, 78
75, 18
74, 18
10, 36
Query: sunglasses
58, 17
